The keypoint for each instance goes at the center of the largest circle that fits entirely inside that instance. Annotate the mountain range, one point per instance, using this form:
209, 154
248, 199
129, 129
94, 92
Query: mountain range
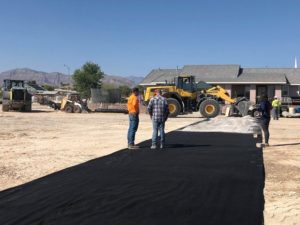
56, 78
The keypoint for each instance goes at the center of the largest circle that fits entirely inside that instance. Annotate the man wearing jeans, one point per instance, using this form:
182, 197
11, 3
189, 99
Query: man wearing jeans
133, 110
276, 108
159, 111
265, 109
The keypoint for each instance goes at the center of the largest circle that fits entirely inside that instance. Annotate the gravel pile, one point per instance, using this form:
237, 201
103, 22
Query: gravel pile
247, 125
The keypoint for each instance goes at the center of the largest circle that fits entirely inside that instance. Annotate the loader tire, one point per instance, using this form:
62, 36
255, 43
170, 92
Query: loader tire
69, 109
5, 108
5, 95
209, 108
174, 107
255, 113
77, 109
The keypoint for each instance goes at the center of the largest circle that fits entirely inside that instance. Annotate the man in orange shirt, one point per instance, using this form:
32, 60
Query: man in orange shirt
133, 110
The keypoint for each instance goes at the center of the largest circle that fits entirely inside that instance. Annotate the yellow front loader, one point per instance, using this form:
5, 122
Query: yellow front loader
72, 103
15, 96
184, 95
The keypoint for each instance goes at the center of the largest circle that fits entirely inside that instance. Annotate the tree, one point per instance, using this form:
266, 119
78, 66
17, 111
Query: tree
141, 89
48, 87
125, 90
89, 76
107, 86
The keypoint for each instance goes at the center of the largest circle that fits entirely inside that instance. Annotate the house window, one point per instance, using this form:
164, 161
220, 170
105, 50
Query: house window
240, 91
294, 91
247, 91
285, 90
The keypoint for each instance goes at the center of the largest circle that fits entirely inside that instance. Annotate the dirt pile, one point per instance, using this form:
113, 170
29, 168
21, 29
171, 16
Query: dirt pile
244, 125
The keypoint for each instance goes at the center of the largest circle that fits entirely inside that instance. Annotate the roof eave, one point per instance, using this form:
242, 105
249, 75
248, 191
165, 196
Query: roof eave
243, 82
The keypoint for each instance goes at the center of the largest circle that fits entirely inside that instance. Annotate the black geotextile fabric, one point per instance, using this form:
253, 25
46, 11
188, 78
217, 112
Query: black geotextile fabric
200, 178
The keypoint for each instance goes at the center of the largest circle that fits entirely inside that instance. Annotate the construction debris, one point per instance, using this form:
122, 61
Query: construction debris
290, 115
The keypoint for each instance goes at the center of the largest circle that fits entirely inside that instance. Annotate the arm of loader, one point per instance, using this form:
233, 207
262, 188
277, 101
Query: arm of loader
220, 93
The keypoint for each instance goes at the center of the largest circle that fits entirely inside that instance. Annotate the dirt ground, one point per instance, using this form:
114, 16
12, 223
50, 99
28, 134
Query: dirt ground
282, 165
35, 144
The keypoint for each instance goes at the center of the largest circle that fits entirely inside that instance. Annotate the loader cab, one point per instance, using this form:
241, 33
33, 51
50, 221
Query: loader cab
15, 96
16, 90
9, 84
187, 83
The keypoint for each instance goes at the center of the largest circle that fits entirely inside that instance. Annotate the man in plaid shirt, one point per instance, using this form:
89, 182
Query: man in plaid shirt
159, 111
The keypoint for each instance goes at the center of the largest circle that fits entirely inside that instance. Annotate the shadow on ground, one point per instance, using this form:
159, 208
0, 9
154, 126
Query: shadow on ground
200, 178
41, 111
32, 111
279, 145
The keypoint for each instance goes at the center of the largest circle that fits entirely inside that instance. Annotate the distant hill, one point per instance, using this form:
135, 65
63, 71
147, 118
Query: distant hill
55, 78
40, 77
118, 80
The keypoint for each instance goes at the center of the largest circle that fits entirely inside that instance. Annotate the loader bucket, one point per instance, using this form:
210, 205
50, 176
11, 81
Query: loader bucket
243, 107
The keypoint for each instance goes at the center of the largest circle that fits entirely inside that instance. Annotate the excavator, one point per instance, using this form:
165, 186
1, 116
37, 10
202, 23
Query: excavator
184, 95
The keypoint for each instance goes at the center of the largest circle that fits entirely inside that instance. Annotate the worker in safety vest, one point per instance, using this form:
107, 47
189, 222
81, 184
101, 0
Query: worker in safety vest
275, 108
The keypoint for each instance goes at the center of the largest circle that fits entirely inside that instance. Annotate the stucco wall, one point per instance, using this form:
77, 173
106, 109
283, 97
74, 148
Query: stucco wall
253, 93
228, 88
278, 91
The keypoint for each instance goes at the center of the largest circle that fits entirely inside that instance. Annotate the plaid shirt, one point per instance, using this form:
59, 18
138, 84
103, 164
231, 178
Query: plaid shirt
158, 108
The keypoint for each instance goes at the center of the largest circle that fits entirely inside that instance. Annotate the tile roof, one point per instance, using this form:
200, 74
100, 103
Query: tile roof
259, 77
292, 75
213, 72
231, 74
160, 75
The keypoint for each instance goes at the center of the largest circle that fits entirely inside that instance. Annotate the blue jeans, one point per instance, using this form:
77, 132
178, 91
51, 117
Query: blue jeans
133, 126
265, 127
275, 113
158, 126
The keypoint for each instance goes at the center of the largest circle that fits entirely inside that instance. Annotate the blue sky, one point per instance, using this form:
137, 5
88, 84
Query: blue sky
131, 37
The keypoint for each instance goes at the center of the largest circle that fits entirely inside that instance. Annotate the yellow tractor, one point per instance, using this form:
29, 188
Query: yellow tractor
15, 96
72, 103
184, 95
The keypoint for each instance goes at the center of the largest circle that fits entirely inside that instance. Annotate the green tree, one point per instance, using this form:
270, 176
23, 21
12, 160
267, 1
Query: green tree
89, 76
125, 90
48, 87
141, 89
107, 86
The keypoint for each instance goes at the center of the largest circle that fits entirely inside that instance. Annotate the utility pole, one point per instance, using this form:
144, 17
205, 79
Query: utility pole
68, 68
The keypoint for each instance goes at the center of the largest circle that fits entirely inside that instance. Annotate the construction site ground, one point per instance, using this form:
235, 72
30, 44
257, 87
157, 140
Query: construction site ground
36, 144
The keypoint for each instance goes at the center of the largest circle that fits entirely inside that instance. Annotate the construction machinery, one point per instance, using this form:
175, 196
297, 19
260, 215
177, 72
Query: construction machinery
15, 96
185, 95
72, 103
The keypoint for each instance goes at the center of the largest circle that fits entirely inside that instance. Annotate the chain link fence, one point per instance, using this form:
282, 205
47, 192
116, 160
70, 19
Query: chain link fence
105, 96
107, 101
